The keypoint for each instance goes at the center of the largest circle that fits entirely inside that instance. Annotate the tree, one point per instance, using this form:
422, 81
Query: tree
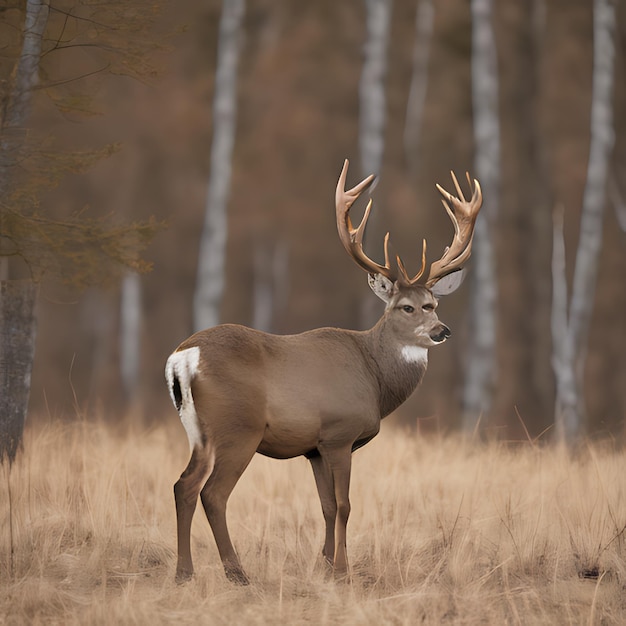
571, 327
480, 367
372, 115
212, 254
424, 22
80, 249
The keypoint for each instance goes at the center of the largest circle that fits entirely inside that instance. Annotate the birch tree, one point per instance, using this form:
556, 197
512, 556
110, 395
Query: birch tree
570, 342
372, 118
424, 21
372, 85
212, 253
480, 367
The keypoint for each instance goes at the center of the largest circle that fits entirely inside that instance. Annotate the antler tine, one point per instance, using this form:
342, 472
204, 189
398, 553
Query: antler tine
403, 273
352, 238
463, 214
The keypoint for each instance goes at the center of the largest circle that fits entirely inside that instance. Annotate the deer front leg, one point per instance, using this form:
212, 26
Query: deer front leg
339, 461
326, 491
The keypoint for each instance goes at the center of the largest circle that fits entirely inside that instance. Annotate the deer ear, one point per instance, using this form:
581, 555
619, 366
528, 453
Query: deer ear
448, 284
381, 286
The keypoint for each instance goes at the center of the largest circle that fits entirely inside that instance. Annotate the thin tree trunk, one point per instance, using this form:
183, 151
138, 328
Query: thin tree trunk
372, 86
372, 119
26, 78
13, 124
17, 298
569, 417
480, 370
424, 21
567, 402
212, 253
17, 349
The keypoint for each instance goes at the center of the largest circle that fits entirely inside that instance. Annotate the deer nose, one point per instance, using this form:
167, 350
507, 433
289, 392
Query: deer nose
441, 334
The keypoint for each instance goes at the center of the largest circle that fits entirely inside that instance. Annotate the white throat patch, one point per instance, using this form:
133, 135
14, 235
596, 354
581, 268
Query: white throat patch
414, 354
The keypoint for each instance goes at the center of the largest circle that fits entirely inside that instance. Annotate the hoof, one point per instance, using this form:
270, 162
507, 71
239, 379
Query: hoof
183, 576
237, 576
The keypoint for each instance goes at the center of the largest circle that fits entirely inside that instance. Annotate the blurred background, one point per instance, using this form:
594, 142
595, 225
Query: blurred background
401, 89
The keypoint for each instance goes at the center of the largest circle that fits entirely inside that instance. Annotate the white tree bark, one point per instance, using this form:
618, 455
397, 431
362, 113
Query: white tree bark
570, 371
567, 402
372, 119
424, 22
212, 254
481, 356
372, 86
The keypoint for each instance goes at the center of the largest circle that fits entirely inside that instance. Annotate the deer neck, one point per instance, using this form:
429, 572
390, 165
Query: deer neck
398, 366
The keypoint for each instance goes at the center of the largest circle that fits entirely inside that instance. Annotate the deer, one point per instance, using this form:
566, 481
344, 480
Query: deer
320, 394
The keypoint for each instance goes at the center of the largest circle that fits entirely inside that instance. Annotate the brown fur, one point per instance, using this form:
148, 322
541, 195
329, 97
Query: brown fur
320, 394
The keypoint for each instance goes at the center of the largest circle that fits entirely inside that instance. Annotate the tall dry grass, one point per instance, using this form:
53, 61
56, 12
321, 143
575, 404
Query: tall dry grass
441, 532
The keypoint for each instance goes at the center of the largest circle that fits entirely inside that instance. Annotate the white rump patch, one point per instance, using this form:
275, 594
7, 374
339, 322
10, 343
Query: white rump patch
414, 354
183, 366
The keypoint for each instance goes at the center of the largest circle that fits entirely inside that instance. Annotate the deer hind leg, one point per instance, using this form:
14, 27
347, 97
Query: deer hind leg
230, 464
186, 492
326, 491
338, 462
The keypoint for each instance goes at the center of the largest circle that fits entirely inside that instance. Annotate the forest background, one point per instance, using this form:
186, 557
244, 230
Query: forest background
298, 116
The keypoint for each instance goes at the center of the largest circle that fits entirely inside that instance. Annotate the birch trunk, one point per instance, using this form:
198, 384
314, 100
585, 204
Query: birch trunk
372, 121
569, 415
424, 21
212, 253
372, 86
480, 371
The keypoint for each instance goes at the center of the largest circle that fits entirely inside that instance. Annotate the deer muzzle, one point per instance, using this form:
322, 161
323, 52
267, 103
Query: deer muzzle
440, 333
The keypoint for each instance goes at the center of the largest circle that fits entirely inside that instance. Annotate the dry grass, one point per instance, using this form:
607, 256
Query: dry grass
440, 532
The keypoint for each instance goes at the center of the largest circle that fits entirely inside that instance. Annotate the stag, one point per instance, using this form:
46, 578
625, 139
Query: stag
320, 394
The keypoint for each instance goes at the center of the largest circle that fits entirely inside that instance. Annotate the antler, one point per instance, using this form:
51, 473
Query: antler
463, 214
352, 238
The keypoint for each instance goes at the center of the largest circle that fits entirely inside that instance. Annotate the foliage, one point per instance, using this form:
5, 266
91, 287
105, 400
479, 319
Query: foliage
81, 250
83, 42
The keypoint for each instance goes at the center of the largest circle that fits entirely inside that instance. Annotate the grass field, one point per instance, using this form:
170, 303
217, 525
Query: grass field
441, 532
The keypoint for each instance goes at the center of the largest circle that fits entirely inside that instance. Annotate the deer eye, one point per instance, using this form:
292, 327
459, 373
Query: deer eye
407, 308
428, 307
